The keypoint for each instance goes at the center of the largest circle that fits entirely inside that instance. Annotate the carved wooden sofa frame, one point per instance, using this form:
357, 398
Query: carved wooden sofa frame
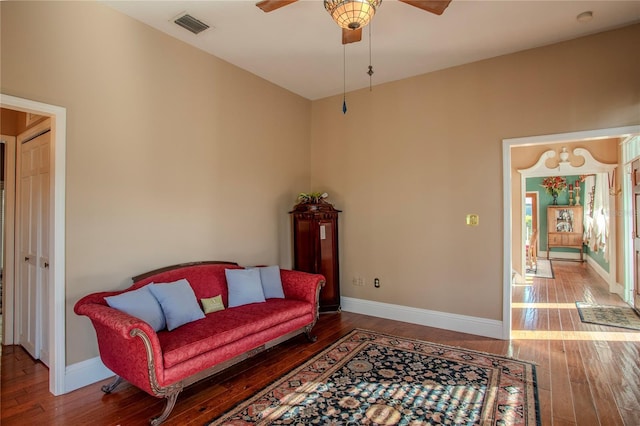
171, 392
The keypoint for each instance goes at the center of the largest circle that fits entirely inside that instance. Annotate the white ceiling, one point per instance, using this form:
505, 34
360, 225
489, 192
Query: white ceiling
298, 47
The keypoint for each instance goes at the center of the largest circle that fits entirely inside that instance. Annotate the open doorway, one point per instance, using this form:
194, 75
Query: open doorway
55, 321
531, 232
513, 197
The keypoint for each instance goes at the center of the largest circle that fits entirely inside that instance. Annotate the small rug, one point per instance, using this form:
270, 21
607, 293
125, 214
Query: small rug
544, 270
613, 316
377, 379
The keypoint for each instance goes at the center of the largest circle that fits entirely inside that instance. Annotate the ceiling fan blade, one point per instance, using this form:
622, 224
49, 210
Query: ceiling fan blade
351, 36
270, 5
433, 6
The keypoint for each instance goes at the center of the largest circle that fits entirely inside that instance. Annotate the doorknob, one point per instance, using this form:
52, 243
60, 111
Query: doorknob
26, 258
46, 264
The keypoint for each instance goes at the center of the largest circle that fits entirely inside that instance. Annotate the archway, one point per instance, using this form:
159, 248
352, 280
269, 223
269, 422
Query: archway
508, 178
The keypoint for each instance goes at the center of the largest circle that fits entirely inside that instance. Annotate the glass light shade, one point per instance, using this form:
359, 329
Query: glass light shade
352, 14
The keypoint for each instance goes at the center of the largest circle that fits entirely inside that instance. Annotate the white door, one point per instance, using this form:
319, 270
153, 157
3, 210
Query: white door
33, 247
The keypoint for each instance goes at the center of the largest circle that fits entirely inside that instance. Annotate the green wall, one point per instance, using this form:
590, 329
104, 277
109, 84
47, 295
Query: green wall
544, 200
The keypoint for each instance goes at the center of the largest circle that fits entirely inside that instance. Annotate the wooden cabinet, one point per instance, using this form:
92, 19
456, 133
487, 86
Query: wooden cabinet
315, 248
564, 228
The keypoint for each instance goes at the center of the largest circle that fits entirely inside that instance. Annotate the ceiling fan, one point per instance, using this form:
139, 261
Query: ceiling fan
353, 15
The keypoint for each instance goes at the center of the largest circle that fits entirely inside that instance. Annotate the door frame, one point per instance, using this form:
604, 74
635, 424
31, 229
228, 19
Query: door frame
507, 197
630, 152
9, 234
56, 320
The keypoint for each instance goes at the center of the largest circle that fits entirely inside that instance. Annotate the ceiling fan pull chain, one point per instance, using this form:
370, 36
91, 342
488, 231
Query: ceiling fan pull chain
344, 79
370, 71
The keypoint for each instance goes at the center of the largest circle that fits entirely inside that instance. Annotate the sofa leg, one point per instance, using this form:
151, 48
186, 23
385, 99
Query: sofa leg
171, 402
310, 337
111, 387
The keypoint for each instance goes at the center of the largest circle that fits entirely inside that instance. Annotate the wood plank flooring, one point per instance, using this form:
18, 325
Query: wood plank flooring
587, 374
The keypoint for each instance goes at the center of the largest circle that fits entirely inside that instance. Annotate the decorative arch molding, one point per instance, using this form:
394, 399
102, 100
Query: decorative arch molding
564, 167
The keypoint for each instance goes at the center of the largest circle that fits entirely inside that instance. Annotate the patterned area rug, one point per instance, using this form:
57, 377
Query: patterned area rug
368, 378
544, 269
614, 316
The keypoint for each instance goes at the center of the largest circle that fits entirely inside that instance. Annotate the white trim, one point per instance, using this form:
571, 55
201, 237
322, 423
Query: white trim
8, 274
85, 373
564, 167
507, 263
630, 151
563, 255
507, 144
585, 135
615, 288
444, 320
57, 330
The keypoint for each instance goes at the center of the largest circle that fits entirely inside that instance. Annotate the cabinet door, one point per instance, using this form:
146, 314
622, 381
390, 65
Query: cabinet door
573, 239
327, 234
304, 245
555, 239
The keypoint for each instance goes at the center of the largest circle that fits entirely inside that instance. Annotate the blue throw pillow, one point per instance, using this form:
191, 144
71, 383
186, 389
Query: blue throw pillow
271, 282
139, 303
244, 287
178, 302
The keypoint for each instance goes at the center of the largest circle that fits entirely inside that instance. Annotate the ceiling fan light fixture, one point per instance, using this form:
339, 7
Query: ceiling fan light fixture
352, 14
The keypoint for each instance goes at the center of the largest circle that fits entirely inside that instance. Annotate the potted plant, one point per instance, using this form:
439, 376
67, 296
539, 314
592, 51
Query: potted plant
312, 197
313, 202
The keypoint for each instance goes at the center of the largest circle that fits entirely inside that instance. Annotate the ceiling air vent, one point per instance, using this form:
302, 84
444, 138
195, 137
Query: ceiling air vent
190, 23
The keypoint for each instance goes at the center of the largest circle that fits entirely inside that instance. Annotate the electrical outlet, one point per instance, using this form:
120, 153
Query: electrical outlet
358, 281
376, 282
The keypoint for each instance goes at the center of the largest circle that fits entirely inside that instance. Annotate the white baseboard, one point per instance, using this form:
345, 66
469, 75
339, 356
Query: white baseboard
454, 322
560, 255
85, 373
599, 269
516, 278
614, 287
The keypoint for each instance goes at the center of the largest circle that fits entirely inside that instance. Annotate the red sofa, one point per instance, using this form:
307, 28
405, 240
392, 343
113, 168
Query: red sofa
162, 363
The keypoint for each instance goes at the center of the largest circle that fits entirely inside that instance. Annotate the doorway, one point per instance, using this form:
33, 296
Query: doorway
512, 180
530, 214
531, 241
55, 320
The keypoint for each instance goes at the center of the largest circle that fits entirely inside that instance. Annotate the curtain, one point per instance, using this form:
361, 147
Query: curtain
596, 214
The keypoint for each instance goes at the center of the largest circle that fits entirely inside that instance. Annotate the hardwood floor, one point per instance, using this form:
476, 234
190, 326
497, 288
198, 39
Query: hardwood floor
587, 374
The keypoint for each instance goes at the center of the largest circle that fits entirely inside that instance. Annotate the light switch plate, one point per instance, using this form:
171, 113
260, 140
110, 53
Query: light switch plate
473, 219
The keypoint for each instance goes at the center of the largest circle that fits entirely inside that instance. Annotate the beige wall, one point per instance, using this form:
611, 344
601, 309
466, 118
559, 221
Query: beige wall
412, 158
172, 155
